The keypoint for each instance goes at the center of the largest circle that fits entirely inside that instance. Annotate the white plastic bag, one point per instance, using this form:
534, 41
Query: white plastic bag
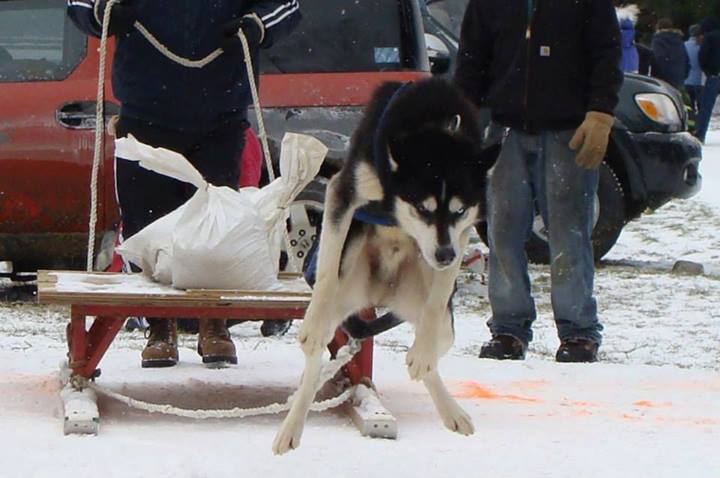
220, 238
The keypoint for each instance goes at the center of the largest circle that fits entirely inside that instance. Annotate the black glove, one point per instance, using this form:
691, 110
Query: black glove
122, 17
250, 26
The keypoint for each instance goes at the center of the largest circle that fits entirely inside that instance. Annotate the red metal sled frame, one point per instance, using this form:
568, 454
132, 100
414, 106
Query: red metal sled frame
87, 347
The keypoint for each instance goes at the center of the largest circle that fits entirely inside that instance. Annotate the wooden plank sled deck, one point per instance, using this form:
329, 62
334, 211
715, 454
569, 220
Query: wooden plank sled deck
108, 299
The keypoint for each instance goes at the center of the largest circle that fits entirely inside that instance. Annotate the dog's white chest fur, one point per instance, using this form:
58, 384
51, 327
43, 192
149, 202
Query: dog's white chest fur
388, 250
376, 264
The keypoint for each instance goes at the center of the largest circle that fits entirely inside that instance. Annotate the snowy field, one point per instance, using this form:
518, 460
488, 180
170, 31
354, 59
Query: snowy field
650, 408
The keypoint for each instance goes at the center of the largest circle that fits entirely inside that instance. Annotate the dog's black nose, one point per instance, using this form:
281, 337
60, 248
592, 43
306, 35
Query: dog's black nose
445, 255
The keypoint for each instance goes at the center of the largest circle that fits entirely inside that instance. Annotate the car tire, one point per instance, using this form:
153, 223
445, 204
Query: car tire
305, 218
611, 218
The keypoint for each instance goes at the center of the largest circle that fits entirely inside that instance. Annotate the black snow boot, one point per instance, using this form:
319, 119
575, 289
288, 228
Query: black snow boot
504, 347
277, 328
577, 350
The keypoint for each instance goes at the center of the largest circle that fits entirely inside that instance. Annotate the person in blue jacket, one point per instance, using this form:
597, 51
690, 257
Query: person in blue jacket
696, 78
199, 112
627, 17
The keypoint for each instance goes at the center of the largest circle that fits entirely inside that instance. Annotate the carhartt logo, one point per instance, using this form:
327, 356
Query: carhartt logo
544, 51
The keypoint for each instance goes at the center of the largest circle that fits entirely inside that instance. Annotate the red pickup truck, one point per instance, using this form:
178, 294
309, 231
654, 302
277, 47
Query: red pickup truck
315, 82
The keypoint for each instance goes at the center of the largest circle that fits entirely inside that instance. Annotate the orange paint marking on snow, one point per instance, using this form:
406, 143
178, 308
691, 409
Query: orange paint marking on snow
472, 389
627, 416
531, 384
580, 404
649, 404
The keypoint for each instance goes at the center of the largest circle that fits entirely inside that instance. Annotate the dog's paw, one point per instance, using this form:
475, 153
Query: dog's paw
456, 419
420, 361
288, 437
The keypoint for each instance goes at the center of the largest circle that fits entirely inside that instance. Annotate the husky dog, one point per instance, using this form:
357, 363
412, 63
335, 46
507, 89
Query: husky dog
416, 167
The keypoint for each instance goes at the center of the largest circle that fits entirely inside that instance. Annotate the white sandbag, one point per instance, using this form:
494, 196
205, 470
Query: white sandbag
220, 238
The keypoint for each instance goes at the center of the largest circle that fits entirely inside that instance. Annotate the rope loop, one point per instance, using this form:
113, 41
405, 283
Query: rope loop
330, 369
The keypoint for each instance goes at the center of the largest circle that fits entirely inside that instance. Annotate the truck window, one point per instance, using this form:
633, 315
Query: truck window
37, 41
347, 36
449, 13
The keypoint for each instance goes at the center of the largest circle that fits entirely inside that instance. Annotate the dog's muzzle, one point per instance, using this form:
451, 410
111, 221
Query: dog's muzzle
445, 255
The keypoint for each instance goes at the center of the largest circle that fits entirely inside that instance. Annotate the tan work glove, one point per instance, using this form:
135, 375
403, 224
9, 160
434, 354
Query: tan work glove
592, 139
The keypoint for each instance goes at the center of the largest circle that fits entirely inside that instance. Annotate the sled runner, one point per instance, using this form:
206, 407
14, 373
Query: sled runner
107, 299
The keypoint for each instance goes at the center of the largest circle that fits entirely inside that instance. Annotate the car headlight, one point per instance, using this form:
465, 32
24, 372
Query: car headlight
659, 108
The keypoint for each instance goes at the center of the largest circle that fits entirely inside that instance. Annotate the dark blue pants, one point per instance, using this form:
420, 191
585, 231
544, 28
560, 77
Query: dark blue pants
707, 104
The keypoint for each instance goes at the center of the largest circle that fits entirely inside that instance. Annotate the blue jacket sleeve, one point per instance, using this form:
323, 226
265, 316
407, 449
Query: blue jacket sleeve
82, 13
279, 18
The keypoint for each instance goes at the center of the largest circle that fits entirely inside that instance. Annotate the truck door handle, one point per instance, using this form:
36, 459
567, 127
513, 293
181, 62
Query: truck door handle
81, 114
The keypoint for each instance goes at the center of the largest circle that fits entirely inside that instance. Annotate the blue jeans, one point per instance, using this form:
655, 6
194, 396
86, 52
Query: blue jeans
707, 103
541, 169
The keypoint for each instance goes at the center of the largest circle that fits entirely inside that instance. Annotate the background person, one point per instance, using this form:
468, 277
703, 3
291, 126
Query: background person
197, 112
696, 78
709, 58
627, 17
555, 89
670, 60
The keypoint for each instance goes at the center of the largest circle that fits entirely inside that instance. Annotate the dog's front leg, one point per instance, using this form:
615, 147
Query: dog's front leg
326, 310
434, 331
451, 413
288, 437
344, 195
433, 338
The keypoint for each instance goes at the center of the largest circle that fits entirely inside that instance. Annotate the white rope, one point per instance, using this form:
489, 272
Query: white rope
99, 136
330, 369
271, 409
262, 133
186, 62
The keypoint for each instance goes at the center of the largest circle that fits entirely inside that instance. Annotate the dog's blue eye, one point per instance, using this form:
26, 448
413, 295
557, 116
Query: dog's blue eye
460, 212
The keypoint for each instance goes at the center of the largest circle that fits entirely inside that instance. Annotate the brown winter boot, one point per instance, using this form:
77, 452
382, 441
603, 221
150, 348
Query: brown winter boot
214, 343
161, 349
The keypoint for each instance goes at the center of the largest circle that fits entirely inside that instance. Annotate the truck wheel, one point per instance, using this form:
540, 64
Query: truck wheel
305, 219
610, 217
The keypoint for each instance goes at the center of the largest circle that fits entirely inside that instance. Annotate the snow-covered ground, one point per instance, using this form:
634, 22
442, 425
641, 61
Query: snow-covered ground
650, 408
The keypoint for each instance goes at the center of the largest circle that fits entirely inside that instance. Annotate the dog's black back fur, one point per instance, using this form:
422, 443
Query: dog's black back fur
415, 128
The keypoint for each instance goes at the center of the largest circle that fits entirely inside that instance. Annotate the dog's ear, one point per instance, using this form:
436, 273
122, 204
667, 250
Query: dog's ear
454, 125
